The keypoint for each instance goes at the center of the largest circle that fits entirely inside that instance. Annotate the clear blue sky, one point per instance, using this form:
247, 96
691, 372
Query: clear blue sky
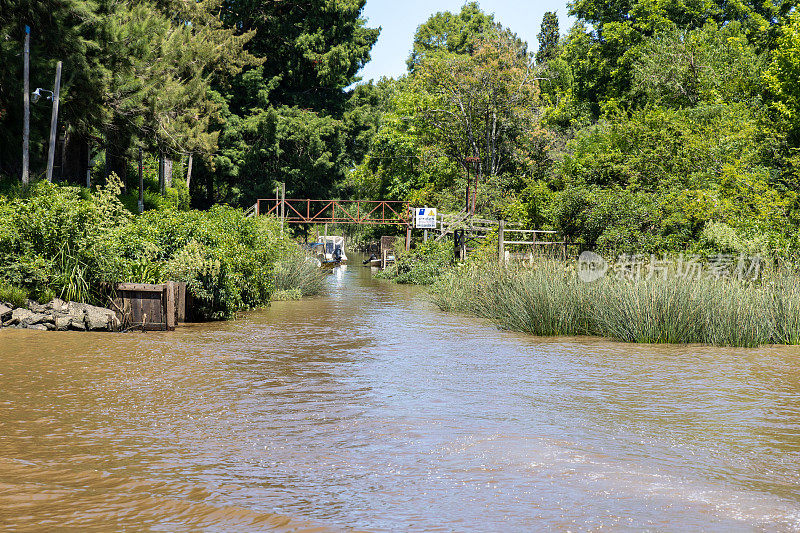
399, 20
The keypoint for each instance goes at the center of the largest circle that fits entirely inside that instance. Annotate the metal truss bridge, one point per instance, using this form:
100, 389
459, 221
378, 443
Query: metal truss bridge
306, 211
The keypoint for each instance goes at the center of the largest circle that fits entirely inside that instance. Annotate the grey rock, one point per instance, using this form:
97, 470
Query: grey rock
96, 318
37, 327
77, 325
62, 322
5, 312
56, 305
49, 326
18, 315
36, 307
97, 322
36, 318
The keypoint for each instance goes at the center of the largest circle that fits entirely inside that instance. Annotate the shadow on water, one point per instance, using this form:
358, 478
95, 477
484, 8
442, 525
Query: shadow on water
367, 408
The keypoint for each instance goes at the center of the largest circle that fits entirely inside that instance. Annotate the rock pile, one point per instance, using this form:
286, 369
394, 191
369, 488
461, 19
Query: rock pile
58, 315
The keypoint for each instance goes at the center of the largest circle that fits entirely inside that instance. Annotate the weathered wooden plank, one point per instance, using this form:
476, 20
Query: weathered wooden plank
169, 306
180, 302
140, 287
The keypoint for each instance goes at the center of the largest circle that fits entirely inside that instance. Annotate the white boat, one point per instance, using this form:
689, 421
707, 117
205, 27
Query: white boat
329, 251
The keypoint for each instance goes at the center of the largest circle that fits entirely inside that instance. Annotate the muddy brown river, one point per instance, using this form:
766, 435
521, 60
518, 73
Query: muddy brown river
368, 409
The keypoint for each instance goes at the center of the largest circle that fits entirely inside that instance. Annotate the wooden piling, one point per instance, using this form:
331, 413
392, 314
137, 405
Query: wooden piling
169, 302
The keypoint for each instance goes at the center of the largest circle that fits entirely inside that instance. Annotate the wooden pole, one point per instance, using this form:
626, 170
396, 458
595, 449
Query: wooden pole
141, 183
466, 208
26, 112
161, 184
53, 123
169, 306
88, 165
501, 241
189, 170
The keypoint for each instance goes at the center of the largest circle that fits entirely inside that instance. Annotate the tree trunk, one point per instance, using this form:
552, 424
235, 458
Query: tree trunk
75, 158
116, 148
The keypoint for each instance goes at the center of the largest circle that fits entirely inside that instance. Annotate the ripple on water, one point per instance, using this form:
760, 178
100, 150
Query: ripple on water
370, 409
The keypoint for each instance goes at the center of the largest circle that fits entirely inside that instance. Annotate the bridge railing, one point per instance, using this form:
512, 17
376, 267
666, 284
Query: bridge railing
308, 211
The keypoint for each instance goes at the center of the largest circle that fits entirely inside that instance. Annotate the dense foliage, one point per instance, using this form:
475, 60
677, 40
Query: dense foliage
256, 92
68, 242
648, 127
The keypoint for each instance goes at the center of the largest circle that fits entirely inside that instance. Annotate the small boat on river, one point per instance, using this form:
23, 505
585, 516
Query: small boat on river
329, 251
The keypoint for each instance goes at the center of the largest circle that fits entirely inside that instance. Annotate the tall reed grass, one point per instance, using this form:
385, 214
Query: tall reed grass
296, 275
549, 299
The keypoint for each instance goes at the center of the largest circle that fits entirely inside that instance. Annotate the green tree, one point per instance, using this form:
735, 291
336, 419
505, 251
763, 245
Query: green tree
455, 33
781, 79
548, 38
312, 51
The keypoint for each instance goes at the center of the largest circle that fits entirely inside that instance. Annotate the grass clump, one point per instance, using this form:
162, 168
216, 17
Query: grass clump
296, 275
12, 295
550, 299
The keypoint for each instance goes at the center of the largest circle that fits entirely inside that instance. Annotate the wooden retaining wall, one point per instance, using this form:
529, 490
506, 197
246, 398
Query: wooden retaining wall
153, 307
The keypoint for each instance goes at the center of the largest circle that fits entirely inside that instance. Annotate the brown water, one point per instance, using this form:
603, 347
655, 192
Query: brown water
369, 409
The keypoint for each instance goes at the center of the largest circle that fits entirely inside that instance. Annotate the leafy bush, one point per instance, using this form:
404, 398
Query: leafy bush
422, 265
76, 244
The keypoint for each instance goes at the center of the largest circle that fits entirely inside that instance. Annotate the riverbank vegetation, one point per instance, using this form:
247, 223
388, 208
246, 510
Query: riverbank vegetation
655, 128
550, 299
75, 244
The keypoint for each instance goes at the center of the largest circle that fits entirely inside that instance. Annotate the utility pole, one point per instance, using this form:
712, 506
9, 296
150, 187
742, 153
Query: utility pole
53, 122
26, 102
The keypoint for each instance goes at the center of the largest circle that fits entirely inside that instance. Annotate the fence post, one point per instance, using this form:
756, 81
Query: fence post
501, 237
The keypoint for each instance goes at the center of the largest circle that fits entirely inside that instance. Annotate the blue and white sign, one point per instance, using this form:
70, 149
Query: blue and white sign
425, 218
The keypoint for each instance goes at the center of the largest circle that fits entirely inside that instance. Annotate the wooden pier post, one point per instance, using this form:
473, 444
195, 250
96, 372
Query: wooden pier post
169, 306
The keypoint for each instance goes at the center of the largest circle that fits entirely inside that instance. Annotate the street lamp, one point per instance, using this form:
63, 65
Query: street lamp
37, 94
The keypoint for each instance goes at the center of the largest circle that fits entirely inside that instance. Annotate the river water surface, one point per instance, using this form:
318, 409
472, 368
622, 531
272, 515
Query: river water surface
369, 409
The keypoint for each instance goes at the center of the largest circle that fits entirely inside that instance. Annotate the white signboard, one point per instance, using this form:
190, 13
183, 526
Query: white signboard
425, 217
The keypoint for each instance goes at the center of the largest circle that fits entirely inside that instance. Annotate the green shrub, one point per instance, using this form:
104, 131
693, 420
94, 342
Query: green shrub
12, 295
422, 265
69, 242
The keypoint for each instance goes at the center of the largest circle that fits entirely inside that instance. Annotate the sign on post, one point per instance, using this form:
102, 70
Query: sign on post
425, 218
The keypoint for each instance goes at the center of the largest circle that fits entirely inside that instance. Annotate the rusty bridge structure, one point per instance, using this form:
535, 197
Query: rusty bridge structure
307, 211
465, 227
